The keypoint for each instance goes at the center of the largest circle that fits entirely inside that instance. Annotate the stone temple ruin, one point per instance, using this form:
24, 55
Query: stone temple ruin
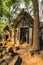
22, 30
22, 27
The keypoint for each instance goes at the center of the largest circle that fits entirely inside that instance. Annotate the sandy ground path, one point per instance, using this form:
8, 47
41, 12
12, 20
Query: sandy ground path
27, 59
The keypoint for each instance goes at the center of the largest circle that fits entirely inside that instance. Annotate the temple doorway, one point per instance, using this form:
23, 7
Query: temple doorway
24, 35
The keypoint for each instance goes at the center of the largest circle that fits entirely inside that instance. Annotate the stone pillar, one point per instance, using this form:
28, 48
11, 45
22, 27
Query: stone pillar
12, 38
16, 36
30, 36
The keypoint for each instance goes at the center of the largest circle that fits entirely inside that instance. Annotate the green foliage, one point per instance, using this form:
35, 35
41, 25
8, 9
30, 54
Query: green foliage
1, 7
42, 2
27, 2
11, 2
2, 25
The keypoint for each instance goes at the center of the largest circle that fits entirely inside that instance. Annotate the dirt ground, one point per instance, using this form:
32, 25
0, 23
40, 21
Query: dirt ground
23, 51
27, 59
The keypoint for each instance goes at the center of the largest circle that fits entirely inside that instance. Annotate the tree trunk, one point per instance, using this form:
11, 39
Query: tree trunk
36, 25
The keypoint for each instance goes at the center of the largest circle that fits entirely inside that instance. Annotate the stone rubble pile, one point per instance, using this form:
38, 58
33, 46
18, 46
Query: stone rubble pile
7, 56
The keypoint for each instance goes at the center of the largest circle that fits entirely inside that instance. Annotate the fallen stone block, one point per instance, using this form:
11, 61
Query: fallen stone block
3, 63
15, 60
32, 52
1, 60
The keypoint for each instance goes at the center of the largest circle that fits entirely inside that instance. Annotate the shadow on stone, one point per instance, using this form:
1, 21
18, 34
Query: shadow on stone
32, 52
19, 61
17, 48
12, 52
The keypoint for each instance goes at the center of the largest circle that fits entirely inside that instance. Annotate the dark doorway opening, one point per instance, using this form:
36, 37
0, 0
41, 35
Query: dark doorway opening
24, 32
41, 41
6, 37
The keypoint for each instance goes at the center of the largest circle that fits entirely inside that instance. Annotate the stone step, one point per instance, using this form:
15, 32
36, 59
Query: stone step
15, 61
